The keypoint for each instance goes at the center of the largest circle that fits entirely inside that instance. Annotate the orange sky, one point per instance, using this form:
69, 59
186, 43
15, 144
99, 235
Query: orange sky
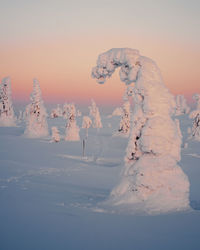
58, 43
63, 67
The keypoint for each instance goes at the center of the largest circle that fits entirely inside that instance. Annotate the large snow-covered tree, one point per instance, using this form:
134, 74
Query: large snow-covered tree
94, 113
195, 115
36, 123
7, 117
72, 130
181, 105
152, 181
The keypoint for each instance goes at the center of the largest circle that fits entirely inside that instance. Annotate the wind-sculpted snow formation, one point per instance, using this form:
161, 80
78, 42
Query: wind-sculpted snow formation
36, 124
195, 115
181, 105
7, 117
151, 182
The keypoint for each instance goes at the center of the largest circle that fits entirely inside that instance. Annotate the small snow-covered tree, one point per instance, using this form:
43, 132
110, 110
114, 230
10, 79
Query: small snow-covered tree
57, 112
55, 134
36, 124
195, 115
72, 130
7, 117
117, 112
94, 113
124, 127
86, 123
78, 113
181, 105
152, 181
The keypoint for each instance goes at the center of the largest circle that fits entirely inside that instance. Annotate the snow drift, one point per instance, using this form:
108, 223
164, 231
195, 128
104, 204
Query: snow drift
152, 181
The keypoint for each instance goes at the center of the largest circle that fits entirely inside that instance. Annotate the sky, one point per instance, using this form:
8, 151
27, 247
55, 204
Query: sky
58, 43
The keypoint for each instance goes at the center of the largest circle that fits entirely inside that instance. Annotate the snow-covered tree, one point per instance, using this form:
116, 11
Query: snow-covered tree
117, 112
195, 115
7, 117
72, 130
181, 105
86, 123
36, 123
94, 113
55, 134
56, 112
124, 127
152, 181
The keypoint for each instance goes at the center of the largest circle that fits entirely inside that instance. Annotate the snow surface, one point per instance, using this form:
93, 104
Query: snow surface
50, 194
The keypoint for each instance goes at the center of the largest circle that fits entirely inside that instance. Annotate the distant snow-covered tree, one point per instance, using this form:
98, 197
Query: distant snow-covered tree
181, 106
78, 113
65, 110
36, 123
56, 112
195, 115
86, 123
7, 117
124, 127
117, 112
152, 181
94, 113
72, 130
55, 134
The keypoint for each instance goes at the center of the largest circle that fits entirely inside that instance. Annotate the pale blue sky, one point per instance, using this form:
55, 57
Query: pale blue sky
26, 19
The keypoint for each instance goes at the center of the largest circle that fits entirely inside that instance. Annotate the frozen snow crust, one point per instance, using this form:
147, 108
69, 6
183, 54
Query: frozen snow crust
151, 180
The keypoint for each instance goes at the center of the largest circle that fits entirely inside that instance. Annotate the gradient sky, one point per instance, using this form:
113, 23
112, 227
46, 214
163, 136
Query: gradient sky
58, 43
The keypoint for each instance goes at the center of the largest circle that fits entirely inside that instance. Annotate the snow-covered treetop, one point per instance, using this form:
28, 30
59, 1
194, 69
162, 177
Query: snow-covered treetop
117, 111
87, 122
36, 94
107, 63
6, 88
140, 70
